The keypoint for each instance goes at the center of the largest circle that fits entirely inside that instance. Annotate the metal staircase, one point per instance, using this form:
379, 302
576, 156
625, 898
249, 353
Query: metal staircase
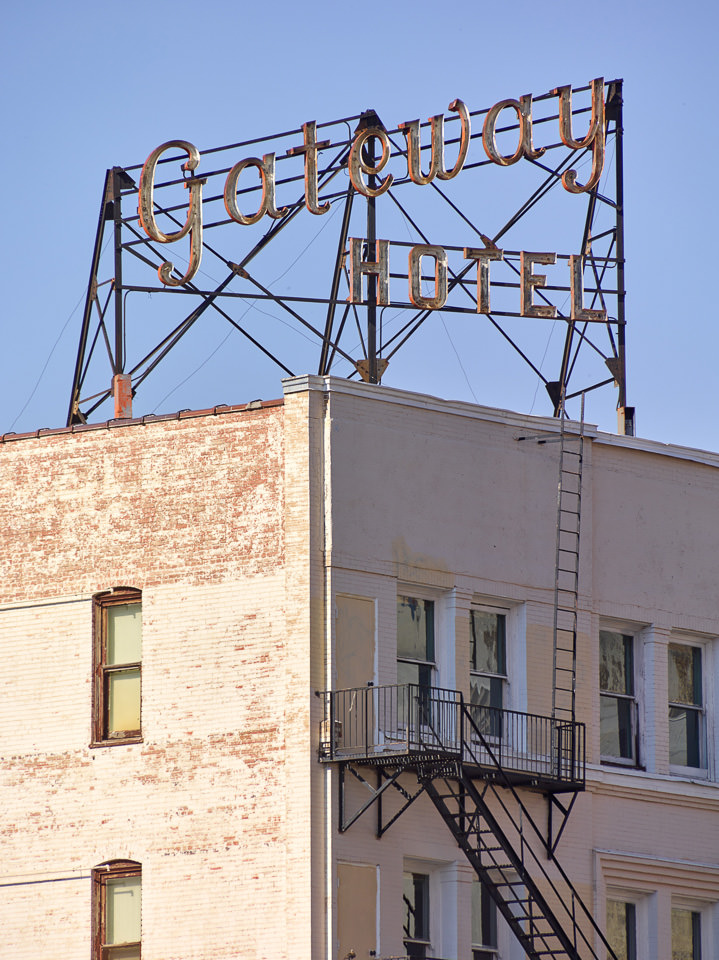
433, 736
502, 842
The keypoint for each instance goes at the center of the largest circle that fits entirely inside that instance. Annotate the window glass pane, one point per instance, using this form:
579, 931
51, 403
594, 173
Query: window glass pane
415, 628
685, 674
484, 918
621, 929
686, 935
685, 737
124, 633
122, 923
407, 672
615, 725
486, 691
123, 697
487, 653
616, 669
415, 898
122, 953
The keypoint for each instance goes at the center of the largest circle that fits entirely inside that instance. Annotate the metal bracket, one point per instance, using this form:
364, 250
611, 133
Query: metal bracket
345, 821
565, 811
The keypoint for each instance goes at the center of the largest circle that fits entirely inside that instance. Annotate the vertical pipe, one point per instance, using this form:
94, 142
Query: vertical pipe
619, 130
331, 697
371, 279
119, 358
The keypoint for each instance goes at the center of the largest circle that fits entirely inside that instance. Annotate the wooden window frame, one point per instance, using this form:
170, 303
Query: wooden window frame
696, 709
102, 602
628, 700
101, 875
489, 717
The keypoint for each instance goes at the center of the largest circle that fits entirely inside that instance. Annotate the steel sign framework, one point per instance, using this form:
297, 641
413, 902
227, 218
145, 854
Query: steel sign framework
291, 230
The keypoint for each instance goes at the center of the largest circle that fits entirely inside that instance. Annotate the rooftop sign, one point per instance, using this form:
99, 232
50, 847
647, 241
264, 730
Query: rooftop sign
251, 195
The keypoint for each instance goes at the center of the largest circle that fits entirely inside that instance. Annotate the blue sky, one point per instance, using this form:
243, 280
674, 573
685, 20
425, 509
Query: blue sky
88, 86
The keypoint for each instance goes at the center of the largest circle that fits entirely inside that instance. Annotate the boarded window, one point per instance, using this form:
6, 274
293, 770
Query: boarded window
356, 909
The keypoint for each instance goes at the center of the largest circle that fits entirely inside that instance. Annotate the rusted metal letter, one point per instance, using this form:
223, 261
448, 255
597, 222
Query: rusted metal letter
456, 106
378, 268
593, 139
310, 148
193, 223
440, 276
580, 312
436, 165
525, 147
358, 165
483, 256
266, 167
531, 280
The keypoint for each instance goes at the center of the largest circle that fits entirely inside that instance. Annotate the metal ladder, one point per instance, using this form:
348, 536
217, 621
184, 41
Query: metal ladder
566, 570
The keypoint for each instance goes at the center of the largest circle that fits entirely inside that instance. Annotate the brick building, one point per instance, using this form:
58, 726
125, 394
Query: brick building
179, 594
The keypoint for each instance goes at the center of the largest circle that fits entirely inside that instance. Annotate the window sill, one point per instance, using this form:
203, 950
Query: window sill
689, 773
620, 764
119, 742
677, 775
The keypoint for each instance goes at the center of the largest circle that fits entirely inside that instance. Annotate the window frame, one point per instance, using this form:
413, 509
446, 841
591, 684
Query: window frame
492, 728
102, 876
488, 947
700, 710
632, 699
102, 603
630, 923
416, 946
697, 923
430, 662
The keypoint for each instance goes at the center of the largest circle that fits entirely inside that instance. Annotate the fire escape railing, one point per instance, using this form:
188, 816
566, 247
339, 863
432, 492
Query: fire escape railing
409, 720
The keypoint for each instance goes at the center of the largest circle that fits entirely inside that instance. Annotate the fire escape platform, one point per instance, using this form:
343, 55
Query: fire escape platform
410, 727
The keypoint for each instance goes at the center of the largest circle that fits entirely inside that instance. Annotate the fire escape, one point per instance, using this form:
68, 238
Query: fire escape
482, 767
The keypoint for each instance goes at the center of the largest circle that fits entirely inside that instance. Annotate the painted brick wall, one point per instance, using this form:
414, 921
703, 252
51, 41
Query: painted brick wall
192, 512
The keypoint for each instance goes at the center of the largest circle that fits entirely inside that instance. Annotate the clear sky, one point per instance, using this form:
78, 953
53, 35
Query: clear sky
88, 85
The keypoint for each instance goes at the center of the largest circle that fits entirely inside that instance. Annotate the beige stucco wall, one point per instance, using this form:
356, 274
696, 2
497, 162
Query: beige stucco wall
445, 497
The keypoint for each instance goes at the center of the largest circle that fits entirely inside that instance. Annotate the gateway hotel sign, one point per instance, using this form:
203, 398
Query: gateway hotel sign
253, 219
362, 164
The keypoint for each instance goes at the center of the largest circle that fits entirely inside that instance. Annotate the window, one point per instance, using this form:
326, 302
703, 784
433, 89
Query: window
618, 706
686, 715
415, 902
622, 929
415, 641
415, 656
686, 934
117, 896
488, 669
484, 924
118, 654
